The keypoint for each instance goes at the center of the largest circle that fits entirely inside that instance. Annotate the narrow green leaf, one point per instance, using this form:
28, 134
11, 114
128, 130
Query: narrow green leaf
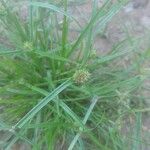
71, 113
52, 7
5, 52
41, 104
65, 30
59, 103
137, 132
89, 111
105, 18
31, 21
3, 126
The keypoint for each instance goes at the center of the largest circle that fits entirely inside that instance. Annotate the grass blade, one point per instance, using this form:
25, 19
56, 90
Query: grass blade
65, 30
71, 113
89, 111
10, 52
61, 103
41, 104
137, 132
52, 7
105, 18
31, 21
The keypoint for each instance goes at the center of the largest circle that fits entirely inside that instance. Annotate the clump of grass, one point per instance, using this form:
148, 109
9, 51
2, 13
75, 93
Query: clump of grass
54, 93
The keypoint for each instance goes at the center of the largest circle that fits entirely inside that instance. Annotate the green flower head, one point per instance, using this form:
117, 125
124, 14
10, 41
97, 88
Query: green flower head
81, 76
93, 53
2, 10
28, 46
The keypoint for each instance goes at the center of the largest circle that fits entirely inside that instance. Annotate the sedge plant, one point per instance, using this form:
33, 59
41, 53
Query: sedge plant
57, 93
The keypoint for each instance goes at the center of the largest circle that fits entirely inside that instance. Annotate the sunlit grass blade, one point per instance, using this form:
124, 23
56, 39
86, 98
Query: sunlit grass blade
15, 137
59, 103
10, 52
41, 104
51, 7
137, 132
88, 113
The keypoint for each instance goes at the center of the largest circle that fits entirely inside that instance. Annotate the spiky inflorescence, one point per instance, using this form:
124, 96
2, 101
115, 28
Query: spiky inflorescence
2, 10
28, 46
93, 53
81, 76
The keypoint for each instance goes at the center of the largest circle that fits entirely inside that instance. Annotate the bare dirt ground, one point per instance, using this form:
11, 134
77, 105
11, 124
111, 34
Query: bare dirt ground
135, 17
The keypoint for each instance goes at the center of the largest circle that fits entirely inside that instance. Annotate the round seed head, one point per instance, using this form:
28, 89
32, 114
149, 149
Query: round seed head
2, 10
28, 46
93, 53
81, 76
